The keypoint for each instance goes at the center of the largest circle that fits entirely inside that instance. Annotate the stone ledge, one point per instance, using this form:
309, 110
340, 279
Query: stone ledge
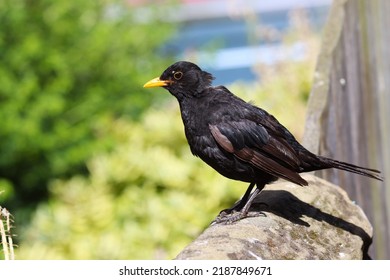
314, 222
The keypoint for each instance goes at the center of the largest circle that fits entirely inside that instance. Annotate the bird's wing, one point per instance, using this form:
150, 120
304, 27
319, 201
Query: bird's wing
251, 142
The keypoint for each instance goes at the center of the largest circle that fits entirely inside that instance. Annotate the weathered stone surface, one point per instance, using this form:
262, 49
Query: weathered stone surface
314, 222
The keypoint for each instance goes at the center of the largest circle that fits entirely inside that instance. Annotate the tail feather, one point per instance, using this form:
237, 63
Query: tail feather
368, 172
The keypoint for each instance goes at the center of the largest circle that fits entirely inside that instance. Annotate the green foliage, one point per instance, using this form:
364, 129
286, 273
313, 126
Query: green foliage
146, 199
67, 67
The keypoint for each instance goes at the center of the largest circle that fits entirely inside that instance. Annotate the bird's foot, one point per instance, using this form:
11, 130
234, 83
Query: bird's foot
228, 216
236, 213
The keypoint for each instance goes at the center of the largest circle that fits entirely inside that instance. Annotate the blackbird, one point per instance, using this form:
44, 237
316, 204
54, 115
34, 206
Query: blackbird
237, 139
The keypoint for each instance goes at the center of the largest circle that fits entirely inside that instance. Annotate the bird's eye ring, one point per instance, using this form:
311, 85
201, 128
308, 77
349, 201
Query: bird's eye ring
178, 75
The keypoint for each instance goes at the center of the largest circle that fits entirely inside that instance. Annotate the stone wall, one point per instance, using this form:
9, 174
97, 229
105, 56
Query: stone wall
314, 222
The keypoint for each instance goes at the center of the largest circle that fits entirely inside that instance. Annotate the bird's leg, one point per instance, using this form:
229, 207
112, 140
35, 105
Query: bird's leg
241, 207
239, 204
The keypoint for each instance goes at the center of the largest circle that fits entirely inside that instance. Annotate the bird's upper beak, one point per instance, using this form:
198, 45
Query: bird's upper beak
156, 82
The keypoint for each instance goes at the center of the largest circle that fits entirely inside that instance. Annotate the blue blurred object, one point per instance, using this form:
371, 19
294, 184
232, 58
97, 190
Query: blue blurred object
223, 37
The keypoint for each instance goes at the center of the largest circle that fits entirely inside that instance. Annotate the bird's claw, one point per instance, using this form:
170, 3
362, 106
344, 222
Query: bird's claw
227, 217
231, 215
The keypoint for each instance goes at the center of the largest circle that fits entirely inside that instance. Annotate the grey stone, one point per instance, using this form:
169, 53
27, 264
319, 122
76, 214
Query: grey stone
314, 222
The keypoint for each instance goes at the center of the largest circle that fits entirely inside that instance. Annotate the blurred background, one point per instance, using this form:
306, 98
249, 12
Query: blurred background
93, 166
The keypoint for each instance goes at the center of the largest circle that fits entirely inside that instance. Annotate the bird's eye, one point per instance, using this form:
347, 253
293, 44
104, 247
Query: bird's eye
178, 75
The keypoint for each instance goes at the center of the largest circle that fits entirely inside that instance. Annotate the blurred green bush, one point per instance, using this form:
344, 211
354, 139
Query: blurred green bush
67, 67
145, 199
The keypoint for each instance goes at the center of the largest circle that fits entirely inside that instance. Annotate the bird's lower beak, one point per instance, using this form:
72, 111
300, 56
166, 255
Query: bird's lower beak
156, 82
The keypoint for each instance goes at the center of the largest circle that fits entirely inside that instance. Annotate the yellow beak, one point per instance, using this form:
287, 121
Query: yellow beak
156, 82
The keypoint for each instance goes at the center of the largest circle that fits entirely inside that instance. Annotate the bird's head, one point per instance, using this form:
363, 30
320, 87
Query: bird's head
182, 79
